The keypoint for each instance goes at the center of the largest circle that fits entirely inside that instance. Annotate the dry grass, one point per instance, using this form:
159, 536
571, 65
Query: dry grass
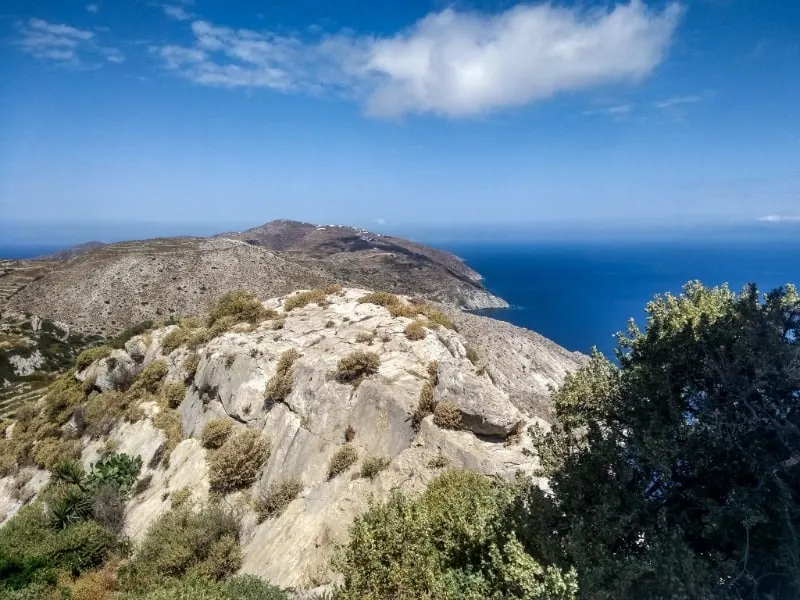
357, 365
237, 463
280, 385
49, 452
427, 402
173, 393
174, 339
273, 501
415, 331
151, 378
344, 458
190, 365
447, 416
301, 299
215, 433
380, 298
169, 421
95, 585
365, 337
440, 461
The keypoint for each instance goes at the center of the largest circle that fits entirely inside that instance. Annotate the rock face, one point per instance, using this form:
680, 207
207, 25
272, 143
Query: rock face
313, 420
102, 289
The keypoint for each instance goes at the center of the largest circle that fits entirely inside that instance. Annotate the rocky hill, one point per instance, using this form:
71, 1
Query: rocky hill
354, 395
103, 289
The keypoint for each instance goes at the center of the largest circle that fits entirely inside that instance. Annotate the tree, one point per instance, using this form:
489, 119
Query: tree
677, 474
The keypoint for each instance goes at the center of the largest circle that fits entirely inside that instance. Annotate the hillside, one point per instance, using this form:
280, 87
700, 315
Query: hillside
285, 376
102, 289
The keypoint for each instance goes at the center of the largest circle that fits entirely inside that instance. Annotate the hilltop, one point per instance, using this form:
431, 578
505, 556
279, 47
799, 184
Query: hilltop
104, 288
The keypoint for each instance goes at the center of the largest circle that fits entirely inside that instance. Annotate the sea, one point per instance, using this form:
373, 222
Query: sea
580, 293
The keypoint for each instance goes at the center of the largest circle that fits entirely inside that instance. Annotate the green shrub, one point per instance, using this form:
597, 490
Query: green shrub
273, 501
345, 457
280, 385
184, 542
151, 377
119, 470
237, 463
472, 356
203, 335
250, 587
169, 421
174, 339
301, 299
64, 395
239, 587
372, 465
447, 416
103, 411
138, 329
90, 355
437, 317
190, 364
50, 451
415, 331
215, 433
180, 497
240, 306
356, 366
174, 393
456, 540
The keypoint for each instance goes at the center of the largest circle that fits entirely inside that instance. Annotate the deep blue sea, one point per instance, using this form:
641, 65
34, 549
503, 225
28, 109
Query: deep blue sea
580, 294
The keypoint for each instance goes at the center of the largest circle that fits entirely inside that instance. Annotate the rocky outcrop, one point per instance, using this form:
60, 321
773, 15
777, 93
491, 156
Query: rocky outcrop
313, 420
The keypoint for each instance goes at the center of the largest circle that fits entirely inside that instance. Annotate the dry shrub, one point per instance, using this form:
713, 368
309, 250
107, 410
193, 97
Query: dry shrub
203, 335
440, 461
151, 377
169, 421
406, 310
330, 324
238, 306
427, 404
173, 340
415, 331
472, 356
439, 318
301, 299
345, 457
356, 366
273, 501
433, 372
95, 585
64, 395
365, 337
372, 465
349, 434
51, 451
191, 323
380, 298
174, 393
447, 416
280, 385
90, 355
334, 288
215, 433
237, 463
102, 411
278, 324
190, 364
180, 497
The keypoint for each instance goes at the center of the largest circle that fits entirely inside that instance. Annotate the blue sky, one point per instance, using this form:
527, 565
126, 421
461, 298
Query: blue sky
382, 113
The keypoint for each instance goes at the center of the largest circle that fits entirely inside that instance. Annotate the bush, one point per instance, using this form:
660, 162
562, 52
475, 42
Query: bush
237, 463
190, 364
90, 355
102, 411
472, 356
239, 306
174, 393
174, 339
215, 433
356, 366
64, 395
250, 587
345, 457
440, 461
280, 385
95, 585
372, 465
119, 342
180, 497
151, 377
183, 542
301, 299
415, 331
50, 451
437, 317
273, 501
447, 416
202, 335
380, 298
108, 507
119, 470
169, 421
456, 540
365, 337
239, 587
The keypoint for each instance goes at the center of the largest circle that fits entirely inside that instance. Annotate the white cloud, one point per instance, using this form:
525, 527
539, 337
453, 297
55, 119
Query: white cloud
448, 63
177, 12
93, 8
62, 43
679, 101
617, 112
780, 219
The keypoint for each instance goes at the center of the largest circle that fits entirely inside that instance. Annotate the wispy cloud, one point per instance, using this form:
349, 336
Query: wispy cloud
780, 219
451, 63
616, 112
93, 8
173, 11
63, 44
680, 101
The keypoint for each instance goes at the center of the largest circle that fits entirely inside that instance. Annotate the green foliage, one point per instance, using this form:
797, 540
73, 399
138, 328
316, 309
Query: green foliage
239, 306
415, 331
173, 393
273, 501
119, 470
372, 465
90, 355
280, 385
73, 507
119, 341
174, 339
200, 544
237, 463
151, 377
239, 587
103, 411
250, 587
345, 457
437, 317
50, 451
678, 470
64, 395
356, 366
455, 541
215, 433
190, 365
